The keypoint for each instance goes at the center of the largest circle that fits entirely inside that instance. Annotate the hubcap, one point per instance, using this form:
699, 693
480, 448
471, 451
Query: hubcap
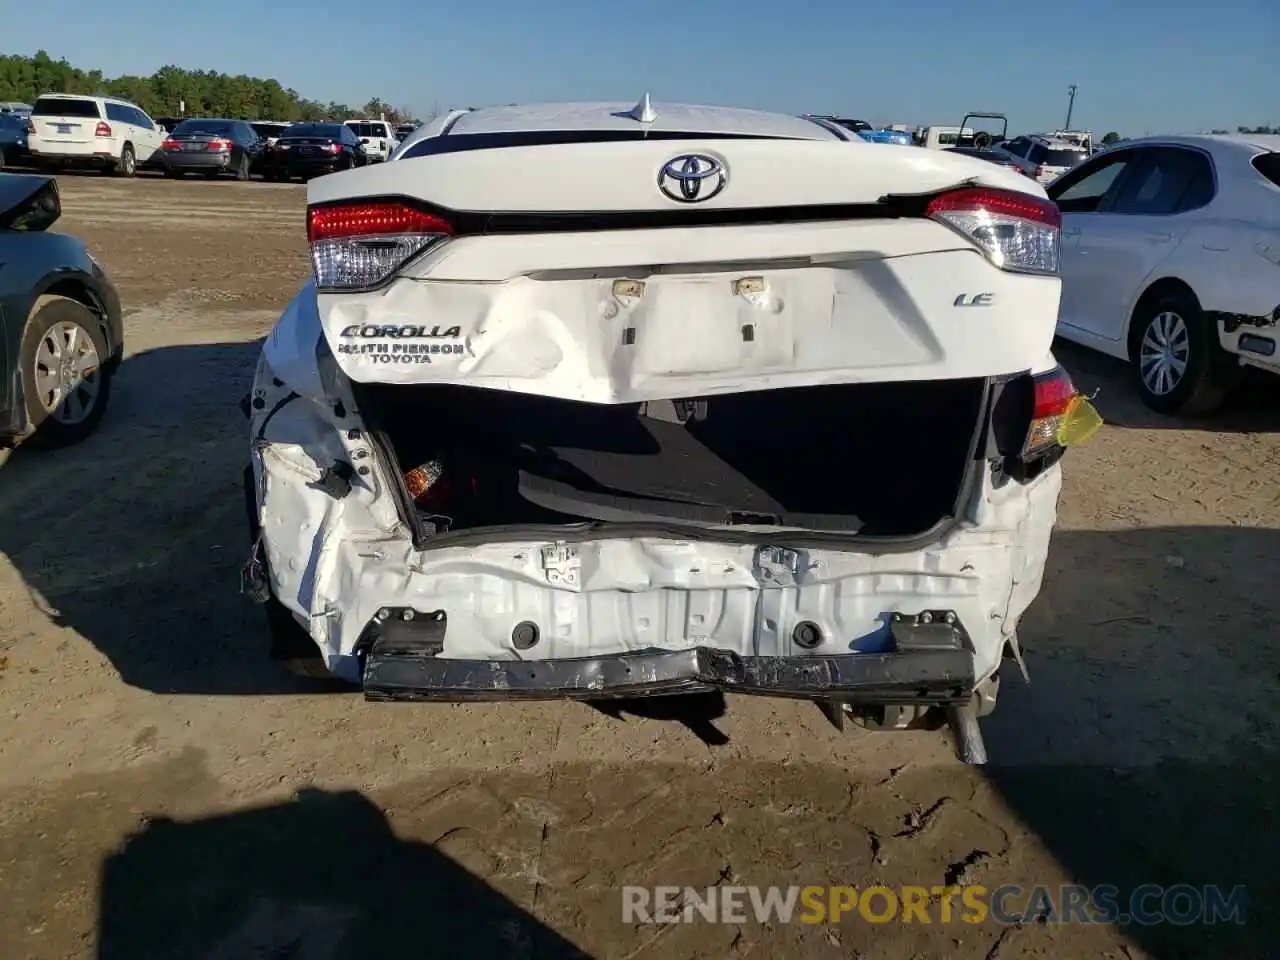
67, 374
1163, 354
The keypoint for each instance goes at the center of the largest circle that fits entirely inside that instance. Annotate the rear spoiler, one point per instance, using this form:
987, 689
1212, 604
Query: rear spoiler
28, 202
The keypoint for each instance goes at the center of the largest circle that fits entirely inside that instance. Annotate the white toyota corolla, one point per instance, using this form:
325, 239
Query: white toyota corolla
598, 400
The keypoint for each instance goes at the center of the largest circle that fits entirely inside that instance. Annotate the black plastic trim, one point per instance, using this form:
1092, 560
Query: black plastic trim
917, 676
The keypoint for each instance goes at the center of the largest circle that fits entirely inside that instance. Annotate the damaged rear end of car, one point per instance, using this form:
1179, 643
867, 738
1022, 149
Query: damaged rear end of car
738, 405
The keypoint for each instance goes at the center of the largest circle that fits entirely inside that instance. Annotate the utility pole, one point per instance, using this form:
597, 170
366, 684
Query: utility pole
1071, 92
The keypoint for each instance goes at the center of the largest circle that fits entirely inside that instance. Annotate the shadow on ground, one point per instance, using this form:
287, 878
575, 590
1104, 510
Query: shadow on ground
1252, 407
135, 537
320, 878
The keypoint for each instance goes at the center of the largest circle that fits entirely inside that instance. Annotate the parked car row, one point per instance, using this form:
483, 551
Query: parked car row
115, 136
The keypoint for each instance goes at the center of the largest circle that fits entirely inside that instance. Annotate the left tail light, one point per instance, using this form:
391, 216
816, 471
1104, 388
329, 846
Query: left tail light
1061, 416
360, 245
1017, 231
171, 144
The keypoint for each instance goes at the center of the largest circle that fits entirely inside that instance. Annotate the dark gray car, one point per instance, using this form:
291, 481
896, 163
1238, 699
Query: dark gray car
61, 333
213, 147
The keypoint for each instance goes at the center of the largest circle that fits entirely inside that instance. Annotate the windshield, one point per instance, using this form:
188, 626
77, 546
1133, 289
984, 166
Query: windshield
65, 107
217, 128
331, 130
269, 129
368, 129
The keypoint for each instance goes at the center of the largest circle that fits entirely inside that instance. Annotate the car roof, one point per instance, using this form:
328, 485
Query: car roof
619, 115
1057, 143
1248, 143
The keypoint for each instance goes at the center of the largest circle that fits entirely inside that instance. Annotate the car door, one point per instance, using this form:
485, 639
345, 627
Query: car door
1083, 195
149, 137
1143, 224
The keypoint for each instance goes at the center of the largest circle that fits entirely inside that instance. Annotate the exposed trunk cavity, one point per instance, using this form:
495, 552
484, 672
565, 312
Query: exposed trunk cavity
882, 461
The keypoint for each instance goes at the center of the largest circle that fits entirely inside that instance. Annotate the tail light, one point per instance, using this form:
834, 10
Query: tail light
435, 493
220, 145
103, 129
171, 144
1061, 417
1016, 231
1039, 172
332, 148
31, 127
361, 244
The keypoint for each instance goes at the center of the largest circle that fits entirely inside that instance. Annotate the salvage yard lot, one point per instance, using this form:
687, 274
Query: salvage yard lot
151, 759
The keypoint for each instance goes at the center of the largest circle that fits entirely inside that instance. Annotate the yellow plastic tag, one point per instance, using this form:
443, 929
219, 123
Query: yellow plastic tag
1079, 423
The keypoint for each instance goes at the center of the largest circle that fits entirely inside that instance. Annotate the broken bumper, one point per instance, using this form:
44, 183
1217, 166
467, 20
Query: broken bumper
928, 664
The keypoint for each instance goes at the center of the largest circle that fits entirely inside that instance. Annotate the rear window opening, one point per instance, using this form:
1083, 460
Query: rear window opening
66, 107
888, 461
368, 130
1063, 158
1268, 164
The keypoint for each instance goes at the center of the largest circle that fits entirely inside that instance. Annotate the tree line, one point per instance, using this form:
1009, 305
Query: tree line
205, 93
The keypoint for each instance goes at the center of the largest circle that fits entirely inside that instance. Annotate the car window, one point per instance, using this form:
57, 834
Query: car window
66, 107
1160, 183
118, 113
1268, 164
217, 128
142, 119
1063, 158
1084, 189
1037, 153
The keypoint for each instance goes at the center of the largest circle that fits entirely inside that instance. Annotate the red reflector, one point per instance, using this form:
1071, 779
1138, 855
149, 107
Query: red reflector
371, 219
102, 130
1006, 203
1054, 391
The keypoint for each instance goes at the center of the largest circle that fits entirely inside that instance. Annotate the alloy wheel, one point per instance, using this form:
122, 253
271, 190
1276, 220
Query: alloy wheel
67, 373
1164, 353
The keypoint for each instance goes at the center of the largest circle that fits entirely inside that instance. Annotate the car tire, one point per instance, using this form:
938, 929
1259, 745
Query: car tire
1171, 330
45, 340
242, 170
128, 164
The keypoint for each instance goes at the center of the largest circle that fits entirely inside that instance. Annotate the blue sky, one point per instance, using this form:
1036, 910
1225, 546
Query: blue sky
1141, 66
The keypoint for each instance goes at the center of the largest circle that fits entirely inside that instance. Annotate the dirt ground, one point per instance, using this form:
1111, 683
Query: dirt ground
166, 792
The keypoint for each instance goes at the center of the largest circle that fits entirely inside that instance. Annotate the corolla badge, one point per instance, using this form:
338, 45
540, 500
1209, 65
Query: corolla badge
692, 177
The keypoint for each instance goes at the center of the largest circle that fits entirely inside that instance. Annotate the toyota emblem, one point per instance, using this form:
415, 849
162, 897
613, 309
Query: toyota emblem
692, 177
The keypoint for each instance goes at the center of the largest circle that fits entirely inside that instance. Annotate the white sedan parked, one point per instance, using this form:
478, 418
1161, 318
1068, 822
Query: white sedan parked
1171, 260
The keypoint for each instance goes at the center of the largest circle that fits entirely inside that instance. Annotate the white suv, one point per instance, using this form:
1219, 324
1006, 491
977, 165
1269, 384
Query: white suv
105, 132
1043, 159
376, 136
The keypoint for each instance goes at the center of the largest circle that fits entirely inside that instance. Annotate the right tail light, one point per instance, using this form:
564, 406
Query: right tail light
103, 129
359, 245
1061, 416
1017, 231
